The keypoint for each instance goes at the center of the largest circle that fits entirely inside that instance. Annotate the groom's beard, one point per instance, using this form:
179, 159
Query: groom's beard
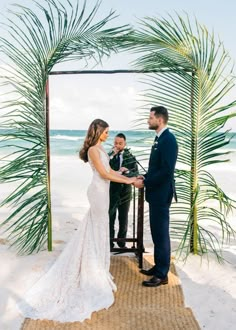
153, 127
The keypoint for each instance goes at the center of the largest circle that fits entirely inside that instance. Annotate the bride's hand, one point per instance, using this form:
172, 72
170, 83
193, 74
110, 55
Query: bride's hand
131, 180
141, 177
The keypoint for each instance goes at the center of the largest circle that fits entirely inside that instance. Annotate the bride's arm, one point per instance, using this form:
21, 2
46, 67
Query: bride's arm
111, 175
117, 173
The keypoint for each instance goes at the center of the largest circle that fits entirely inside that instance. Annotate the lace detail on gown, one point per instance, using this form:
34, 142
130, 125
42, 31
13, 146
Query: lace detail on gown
79, 282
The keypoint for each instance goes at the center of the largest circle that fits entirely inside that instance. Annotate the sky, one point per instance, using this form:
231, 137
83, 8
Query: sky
76, 100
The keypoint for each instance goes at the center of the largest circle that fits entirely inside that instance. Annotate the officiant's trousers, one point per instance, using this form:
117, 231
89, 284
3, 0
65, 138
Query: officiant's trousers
123, 210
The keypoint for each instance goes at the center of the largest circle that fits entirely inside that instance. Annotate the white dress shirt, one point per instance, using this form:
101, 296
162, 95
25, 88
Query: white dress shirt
161, 131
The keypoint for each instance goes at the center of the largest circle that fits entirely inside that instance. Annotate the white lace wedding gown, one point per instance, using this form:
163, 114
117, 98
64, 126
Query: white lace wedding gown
79, 282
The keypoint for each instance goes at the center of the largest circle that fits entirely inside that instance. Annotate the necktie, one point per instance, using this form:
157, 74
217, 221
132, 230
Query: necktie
154, 146
118, 160
155, 142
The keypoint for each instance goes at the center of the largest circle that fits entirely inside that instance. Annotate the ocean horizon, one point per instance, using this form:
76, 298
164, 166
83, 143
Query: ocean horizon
67, 142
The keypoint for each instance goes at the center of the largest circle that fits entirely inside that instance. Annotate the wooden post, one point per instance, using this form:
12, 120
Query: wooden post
193, 224
48, 168
134, 215
140, 226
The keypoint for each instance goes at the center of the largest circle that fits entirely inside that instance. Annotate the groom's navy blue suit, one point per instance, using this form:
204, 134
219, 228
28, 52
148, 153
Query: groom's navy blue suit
160, 188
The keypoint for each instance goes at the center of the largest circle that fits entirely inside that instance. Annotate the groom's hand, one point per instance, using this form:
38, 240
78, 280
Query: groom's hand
138, 183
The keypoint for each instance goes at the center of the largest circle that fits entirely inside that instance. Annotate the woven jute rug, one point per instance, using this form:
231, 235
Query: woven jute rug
136, 307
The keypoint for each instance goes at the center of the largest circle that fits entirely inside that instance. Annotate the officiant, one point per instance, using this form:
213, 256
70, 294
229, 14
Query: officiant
122, 160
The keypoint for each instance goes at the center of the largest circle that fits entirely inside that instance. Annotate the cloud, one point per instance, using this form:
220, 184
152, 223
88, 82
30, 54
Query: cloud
76, 102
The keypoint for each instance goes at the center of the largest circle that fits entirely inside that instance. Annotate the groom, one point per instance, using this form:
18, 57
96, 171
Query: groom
160, 189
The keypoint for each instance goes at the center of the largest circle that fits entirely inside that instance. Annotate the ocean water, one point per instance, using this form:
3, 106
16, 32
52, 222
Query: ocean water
68, 142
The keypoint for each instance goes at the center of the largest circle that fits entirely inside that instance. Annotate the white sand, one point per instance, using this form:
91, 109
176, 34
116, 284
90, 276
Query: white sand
209, 287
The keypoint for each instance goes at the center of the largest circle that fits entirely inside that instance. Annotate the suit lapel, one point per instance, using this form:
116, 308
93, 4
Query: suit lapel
156, 146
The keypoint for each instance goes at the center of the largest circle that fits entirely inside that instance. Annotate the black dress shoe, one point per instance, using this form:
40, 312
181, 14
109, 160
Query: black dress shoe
148, 272
155, 281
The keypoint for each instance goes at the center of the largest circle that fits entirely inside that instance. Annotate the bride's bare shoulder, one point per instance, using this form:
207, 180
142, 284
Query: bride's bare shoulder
93, 150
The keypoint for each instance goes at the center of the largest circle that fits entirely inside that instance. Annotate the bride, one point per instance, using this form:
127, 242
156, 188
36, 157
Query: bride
79, 282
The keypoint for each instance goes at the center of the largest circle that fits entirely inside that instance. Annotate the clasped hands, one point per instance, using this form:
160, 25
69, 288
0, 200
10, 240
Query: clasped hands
138, 183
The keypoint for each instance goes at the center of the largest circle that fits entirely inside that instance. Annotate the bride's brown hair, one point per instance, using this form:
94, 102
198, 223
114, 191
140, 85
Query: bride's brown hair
95, 130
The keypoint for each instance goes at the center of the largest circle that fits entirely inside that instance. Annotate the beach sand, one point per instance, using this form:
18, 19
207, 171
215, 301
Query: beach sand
209, 287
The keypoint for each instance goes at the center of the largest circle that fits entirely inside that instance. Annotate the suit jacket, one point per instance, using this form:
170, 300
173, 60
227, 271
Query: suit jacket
159, 180
120, 192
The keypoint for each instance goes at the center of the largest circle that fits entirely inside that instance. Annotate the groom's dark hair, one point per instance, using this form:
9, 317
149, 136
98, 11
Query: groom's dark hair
161, 111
